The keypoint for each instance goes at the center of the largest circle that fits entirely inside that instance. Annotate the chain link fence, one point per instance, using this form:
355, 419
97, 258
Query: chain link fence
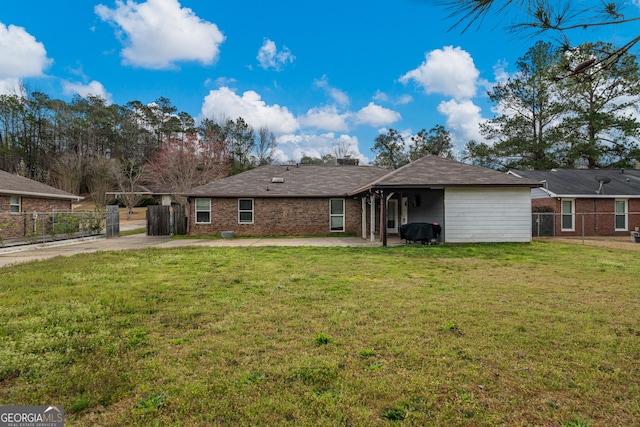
585, 224
42, 227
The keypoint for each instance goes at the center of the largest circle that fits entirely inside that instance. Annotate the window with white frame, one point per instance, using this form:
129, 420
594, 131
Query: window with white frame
622, 215
568, 215
245, 211
336, 214
203, 211
14, 204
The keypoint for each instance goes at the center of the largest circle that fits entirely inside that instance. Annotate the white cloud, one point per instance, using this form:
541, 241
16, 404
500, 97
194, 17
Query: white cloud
269, 57
11, 87
500, 73
22, 56
375, 115
401, 100
448, 71
225, 103
94, 88
463, 120
158, 33
326, 118
337, 95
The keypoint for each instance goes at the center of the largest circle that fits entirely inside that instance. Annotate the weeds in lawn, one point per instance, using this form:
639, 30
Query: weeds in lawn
367, 352
394, 414
461, 335
323, 339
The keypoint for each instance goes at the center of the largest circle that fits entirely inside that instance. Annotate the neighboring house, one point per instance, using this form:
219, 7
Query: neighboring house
159, 195
472, 204
23, 195
589, 202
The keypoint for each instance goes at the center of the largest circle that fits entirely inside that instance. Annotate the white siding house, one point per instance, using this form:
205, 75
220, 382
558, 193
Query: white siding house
487, 215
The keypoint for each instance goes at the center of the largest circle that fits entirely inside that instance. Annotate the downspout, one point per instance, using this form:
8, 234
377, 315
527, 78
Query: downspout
188, 216
364, 217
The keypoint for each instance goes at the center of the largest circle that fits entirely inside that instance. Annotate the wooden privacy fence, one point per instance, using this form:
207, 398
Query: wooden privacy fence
113, 221
166, 220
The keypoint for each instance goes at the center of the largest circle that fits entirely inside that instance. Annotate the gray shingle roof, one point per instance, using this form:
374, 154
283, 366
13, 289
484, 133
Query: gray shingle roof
21, 186
298, 181
324, 181
585, 182
435, 171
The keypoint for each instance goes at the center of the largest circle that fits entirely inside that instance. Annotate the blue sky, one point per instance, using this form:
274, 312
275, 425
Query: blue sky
316, 74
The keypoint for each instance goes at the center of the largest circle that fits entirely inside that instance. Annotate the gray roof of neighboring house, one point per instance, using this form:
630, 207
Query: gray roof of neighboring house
20, 186
297, 181
586, 182
435, 171
324, 181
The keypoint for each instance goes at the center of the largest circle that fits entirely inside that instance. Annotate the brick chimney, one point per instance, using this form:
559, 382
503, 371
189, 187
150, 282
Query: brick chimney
348, 161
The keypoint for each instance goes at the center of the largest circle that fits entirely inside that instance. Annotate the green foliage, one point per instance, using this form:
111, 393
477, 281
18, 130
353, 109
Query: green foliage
94, 222
394, 414
64, 223
369, 352
323, 339
152, 401
557, 117
392, 152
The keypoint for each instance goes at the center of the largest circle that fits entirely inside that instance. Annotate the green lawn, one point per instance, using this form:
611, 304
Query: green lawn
534, 334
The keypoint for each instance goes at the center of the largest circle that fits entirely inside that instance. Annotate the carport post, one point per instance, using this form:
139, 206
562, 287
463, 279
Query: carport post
383, 218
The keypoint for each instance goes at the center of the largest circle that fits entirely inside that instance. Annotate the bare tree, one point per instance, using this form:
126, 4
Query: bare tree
127, 175
181, 165
342, 149
68, 170
100, 179
265, 146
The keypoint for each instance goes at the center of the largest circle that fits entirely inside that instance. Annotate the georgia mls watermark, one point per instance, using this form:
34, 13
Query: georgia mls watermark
31, 416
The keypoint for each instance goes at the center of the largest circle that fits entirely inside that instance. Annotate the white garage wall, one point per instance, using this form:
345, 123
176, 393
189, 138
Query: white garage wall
474, 215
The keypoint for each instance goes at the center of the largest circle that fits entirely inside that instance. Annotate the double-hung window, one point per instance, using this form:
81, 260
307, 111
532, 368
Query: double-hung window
245, 211
14, 204
336, 214
568, 215
622, 215
203, 211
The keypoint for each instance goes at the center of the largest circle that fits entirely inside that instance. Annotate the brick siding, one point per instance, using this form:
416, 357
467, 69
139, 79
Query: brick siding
277, 216
14, 225
599, 216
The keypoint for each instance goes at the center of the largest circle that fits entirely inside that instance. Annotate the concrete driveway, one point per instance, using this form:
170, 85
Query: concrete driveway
16, 255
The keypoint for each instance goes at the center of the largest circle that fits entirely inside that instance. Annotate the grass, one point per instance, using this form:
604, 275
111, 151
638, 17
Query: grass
539, 334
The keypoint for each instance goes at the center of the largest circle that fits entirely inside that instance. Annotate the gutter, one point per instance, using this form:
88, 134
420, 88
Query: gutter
45, 195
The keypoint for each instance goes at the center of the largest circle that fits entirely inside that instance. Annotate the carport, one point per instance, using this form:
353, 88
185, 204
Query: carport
472, 204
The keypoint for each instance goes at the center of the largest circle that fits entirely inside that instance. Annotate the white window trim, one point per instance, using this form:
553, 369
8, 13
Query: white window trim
202, 210
563, 214
343, 215
19, 204
616, 214
246, 210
